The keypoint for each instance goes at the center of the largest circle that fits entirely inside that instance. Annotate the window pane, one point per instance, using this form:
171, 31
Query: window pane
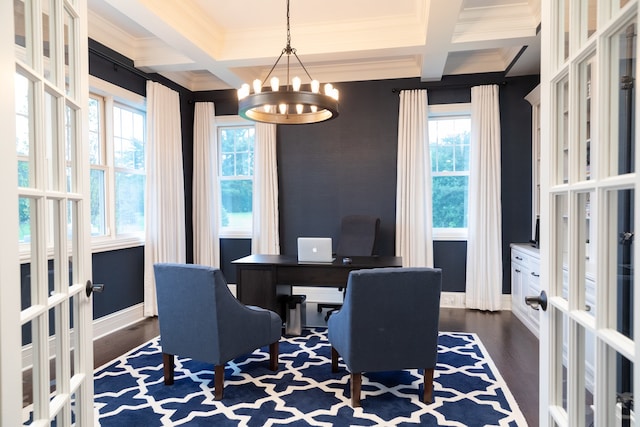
128, 149
450, 201
95, 151
237, 197
98, 213
129, 203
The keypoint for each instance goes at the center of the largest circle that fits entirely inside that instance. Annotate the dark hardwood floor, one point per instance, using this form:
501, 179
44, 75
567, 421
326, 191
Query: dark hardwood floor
513, 348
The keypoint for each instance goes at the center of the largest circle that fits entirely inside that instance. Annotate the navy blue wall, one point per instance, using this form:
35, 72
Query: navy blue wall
348, 165
331, 169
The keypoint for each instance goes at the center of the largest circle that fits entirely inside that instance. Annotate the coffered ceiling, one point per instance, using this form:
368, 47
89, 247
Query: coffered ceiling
220, 44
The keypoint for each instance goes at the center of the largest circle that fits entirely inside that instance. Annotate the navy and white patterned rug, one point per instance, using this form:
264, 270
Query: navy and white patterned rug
468, 390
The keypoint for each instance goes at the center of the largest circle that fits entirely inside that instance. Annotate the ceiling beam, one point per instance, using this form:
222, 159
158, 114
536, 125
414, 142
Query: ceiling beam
441, 18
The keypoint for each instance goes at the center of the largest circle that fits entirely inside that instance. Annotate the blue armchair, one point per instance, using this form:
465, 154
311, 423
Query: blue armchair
201, 319
388, 321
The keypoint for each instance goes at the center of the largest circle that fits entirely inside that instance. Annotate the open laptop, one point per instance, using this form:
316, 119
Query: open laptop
314, 249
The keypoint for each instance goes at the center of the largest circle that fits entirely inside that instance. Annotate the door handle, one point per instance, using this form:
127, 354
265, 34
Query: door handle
93, 288
537, 301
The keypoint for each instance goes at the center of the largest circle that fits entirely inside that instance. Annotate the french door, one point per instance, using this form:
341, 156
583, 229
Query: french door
46, 321
589, 340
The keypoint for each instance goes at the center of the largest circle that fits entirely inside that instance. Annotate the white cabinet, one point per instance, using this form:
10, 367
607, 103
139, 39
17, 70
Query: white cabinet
525, 281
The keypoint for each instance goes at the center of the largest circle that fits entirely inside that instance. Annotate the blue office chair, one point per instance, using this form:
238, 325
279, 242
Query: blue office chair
358, 236
388, 322
201, 319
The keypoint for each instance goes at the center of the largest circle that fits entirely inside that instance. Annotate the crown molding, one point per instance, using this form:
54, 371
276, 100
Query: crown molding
111, 36
494, 23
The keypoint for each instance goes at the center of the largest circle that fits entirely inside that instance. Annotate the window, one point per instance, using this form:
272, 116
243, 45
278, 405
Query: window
449, 143
235, 154
117, 138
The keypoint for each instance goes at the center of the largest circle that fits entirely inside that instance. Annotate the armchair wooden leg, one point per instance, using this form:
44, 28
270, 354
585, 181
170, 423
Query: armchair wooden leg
218, 382
427, 396
168, 367
273, 356
356, 383
334, 360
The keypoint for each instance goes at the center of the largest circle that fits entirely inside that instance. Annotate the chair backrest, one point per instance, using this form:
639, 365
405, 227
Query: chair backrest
393, 316
358, 234
193, 301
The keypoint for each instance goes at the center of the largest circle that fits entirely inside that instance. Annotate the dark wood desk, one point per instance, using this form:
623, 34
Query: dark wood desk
263, 279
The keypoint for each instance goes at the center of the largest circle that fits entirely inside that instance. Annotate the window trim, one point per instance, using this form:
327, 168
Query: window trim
221, 122
450, 111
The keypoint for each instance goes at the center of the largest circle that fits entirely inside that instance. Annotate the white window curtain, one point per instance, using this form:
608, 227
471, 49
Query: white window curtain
484, 245
164, 207
206, 191
266, 237
414, 224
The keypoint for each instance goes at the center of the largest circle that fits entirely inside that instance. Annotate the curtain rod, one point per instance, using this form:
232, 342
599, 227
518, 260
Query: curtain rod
448, 86
117, 63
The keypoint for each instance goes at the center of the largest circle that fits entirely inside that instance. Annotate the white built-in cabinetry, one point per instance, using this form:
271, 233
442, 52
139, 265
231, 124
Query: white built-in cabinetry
525, 281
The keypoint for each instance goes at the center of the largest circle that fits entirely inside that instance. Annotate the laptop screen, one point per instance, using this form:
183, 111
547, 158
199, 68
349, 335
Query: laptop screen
314, 249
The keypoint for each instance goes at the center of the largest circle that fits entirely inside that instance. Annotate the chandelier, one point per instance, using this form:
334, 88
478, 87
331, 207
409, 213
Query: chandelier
289, 104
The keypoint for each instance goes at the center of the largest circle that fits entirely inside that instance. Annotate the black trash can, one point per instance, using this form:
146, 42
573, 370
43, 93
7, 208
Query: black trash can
296, 314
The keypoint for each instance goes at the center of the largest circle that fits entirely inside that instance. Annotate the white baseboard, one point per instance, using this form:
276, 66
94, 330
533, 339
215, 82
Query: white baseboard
101, 327
118, 320
333, 295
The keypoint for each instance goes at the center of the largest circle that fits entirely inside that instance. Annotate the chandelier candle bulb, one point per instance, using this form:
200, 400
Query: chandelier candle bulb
296, 82
257, 86
299, 108
275, 84
315, 86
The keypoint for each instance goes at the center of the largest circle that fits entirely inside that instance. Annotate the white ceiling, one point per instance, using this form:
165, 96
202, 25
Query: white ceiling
220, 44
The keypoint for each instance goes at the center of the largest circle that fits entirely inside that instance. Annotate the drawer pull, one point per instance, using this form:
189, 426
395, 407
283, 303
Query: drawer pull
535, 274
518, 258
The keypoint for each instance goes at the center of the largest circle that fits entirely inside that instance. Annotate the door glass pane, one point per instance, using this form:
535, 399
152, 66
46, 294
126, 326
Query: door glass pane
621, 383
70, 138
561, 232
24, 134
587, 93
48, 40
623, 70
592, 14
29, 235
69, 57
22, 39
621, 237
51, 140
562, 143
586, 253
53, 356
587, 368
561, 358
564, 25
27, 377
